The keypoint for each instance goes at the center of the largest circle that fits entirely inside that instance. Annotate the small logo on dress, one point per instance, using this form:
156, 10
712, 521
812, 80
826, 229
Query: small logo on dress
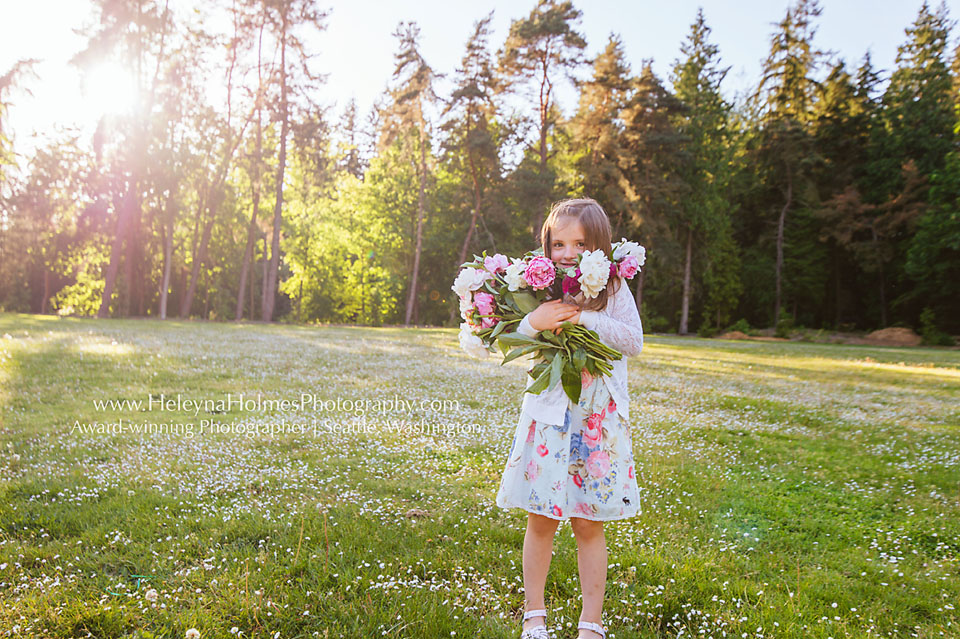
626, 500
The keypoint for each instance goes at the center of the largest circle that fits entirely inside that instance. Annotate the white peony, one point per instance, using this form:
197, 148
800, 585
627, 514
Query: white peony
514, 275
594, 272
469, 279
471, 343
624, 248
466, 305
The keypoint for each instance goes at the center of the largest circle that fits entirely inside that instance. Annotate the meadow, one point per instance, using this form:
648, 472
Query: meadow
788, 489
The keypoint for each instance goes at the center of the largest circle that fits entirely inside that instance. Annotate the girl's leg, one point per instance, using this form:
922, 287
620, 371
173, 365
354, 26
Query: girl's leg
592, 561
537, 550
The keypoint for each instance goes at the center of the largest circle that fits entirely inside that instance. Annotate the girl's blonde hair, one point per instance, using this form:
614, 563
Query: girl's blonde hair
597, 236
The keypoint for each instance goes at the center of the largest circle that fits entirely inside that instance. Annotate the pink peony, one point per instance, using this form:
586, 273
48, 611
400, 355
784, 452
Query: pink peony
594, 431
542, 450
583, 509
496, 263
612, 406
484, 303
540, 273
598, 463
488, 322
571, 284
628, 267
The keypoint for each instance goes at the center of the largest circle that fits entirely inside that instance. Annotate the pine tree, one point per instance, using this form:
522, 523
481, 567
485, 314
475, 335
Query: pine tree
704, 209
784, 107
411, 95
651, 161
472, 145
596, 132
538, 50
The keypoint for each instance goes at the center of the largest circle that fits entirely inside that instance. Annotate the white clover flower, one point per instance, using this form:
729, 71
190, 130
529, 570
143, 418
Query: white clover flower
594, 272
471, 343
514, 275
624, 248
150, 595
469, 279
193, 633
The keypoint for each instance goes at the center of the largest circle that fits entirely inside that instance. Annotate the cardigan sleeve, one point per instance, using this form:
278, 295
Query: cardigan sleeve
524, 327
618, 325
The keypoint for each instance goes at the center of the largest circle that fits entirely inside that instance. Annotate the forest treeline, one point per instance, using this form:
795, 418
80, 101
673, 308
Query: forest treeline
825, 197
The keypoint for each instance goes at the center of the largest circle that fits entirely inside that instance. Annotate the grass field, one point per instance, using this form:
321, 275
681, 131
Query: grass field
788, 490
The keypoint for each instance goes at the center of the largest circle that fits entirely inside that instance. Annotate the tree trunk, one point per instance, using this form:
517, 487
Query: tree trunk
270, 287
882, 282
639, 295
135, 268
110, 278
473, 223
46, 290
264, 276
412, 298
247, 255
685, 301
252, 229
198, 259
780, 226
167, 256
545, 87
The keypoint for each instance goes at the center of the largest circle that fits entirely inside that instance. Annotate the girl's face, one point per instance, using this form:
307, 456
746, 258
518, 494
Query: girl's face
567, 241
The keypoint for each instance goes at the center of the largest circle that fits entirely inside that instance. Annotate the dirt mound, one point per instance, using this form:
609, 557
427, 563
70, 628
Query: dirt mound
734, 335
896, 336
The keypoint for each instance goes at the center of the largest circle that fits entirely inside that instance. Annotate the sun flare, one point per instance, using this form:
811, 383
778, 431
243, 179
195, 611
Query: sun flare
107, 89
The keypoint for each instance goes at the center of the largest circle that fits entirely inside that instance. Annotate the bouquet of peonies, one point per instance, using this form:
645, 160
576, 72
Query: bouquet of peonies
496, 292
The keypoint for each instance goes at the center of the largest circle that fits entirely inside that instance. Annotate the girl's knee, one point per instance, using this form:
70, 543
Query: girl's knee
541, 524
586, 528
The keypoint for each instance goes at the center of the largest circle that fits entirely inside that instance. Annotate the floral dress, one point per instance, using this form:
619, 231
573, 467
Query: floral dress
581, 468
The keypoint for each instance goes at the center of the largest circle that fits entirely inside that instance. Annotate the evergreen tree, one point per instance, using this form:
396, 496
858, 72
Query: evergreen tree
596, 132
704, 210
784, 108
411, 95
539, 48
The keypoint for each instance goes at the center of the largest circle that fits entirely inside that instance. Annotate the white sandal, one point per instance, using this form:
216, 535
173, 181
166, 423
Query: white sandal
537, 632
589, 625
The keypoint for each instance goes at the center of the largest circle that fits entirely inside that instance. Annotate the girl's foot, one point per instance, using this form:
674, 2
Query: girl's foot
534, 625
590, 630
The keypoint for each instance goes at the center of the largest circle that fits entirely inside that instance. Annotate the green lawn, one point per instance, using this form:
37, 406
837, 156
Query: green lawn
789, 490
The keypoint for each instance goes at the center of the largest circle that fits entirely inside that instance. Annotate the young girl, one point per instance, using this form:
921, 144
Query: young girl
574, 460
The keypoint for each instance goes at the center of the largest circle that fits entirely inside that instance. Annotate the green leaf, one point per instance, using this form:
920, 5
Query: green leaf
541, 382
498, 329
556, 369
571, 382
517, 338
537, 370
579, 358
525, 301
549, 336
520, 352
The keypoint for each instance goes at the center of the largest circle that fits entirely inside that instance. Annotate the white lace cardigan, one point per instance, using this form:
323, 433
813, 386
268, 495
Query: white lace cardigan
618, 325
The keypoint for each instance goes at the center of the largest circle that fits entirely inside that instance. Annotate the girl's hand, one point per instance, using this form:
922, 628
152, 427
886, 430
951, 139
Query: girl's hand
550, 315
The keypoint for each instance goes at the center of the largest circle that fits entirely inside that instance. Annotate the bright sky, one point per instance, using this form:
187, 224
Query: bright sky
357, 47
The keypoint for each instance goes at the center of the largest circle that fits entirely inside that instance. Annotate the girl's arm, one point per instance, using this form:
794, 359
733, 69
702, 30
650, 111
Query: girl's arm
620, 327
